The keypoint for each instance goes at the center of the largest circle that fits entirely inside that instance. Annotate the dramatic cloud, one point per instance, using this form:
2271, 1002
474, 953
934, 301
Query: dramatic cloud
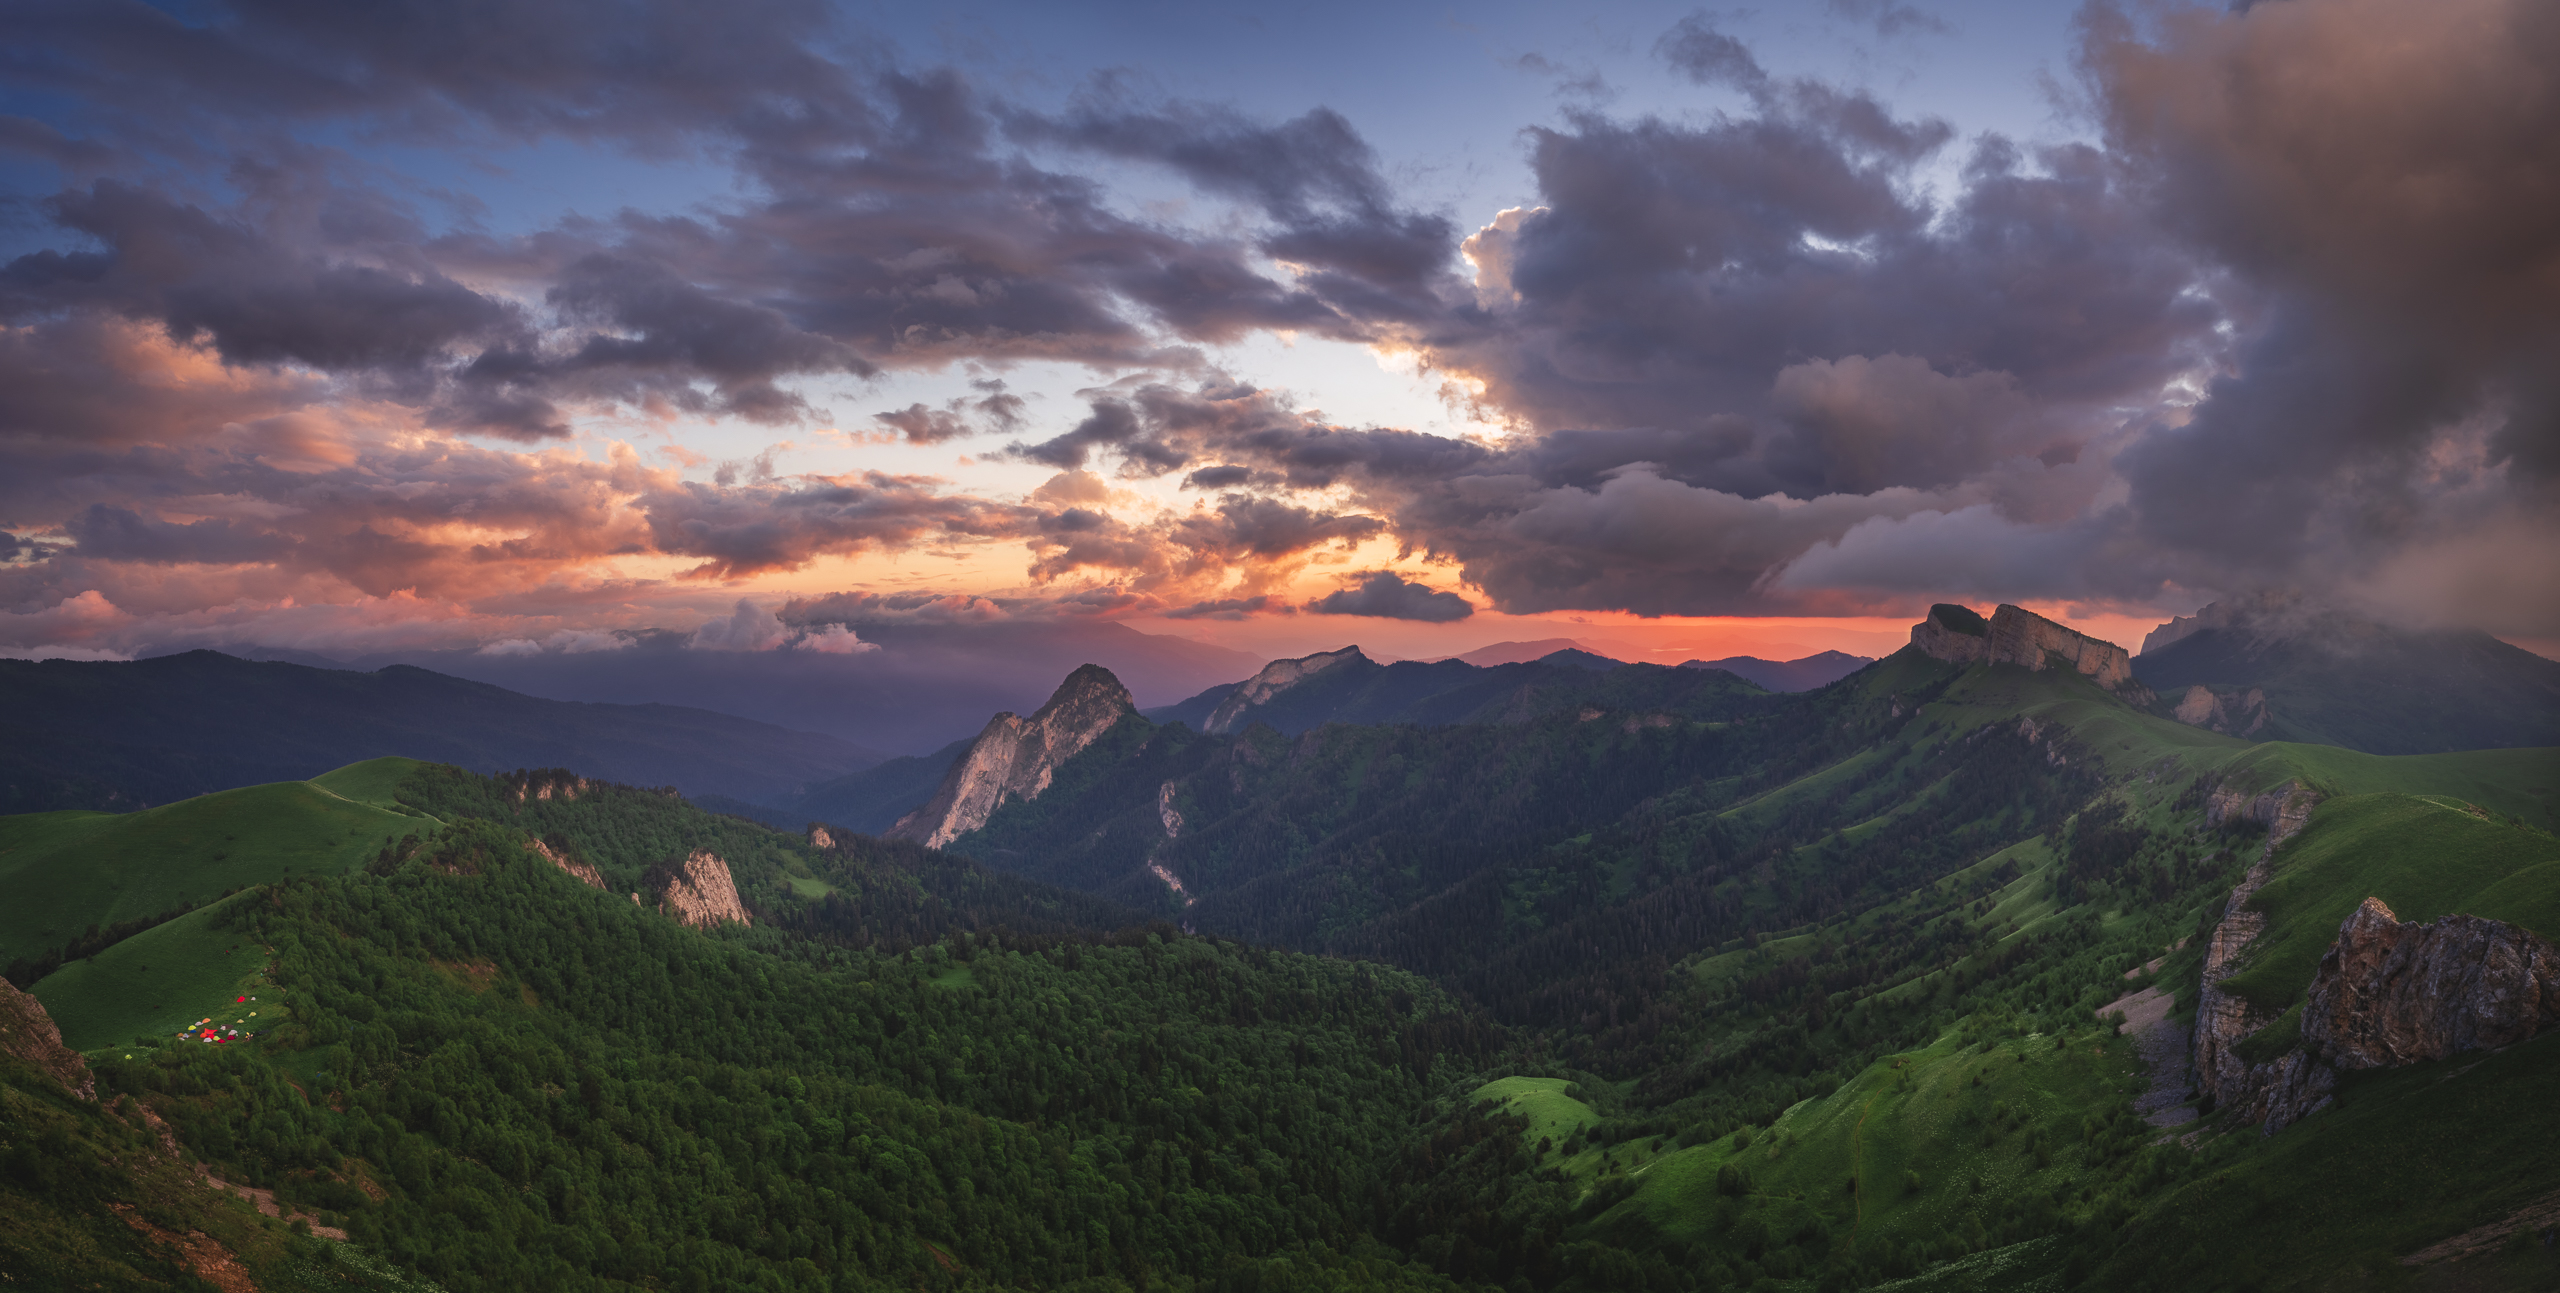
2406, 248
2290, 315
1386, 595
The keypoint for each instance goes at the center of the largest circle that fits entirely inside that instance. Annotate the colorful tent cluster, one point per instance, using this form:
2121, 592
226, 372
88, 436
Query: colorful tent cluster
211, 1033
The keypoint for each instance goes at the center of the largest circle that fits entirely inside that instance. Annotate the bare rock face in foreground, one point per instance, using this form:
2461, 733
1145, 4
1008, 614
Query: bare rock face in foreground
2015, 635
702, 894
2393, 992
27, 1033
1015, 757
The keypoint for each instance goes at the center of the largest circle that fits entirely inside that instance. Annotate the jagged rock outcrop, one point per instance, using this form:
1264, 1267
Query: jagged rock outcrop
2014, 635
547, 783
2393, 992
584, 871
1232, 714
2388, 992
27, 1034
701, 892
2223, 1018
1015, 757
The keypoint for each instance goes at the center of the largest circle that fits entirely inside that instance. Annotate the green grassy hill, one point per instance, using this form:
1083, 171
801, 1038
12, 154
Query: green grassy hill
68, 871
165, 979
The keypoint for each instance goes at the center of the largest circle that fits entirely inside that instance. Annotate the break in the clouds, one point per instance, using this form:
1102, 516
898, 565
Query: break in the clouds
2283, 308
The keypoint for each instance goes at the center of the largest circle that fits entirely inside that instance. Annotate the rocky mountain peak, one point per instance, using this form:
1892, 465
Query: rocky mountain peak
1015, 757
2015, 635
1274, 678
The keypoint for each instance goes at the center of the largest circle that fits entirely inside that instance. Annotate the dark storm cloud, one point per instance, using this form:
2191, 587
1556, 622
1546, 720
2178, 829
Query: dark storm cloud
208, 277
653, 73
2403, 392
1890, 20
744, 530
1746, 359
1708, 56
1385, 595
116, 534
1316, 179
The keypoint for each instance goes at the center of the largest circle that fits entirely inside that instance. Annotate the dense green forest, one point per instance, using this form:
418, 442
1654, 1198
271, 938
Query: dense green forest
1808, 995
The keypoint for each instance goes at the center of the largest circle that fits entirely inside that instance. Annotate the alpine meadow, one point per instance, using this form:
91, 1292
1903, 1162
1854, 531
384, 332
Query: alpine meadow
812, 645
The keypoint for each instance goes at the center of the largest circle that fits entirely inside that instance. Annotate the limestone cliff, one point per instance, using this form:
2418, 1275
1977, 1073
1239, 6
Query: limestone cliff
27, 1034
2021, 637
1234, 713
1015, 757
2393, 992
701, 893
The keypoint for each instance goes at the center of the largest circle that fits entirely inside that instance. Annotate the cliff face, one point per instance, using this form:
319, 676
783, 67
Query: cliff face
1232, 714
2017, 636
2388, 993
2393, 992
1015, 757
2223, 1018
702, 894
27, 1033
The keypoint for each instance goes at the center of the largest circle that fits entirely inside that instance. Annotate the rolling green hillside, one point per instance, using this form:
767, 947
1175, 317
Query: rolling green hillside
69, 871
1806, 998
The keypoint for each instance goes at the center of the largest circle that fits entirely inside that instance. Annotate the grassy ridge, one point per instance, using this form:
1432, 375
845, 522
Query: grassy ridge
161, 980
2424, 857
67, 871
374, 781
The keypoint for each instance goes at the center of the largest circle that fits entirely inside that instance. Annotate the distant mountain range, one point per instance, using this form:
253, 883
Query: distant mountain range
2274, 668
1806, 674
123, 735
1345, 686
926, 686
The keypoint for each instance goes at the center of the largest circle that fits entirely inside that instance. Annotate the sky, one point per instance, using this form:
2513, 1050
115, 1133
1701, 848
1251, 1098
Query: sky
545, 324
